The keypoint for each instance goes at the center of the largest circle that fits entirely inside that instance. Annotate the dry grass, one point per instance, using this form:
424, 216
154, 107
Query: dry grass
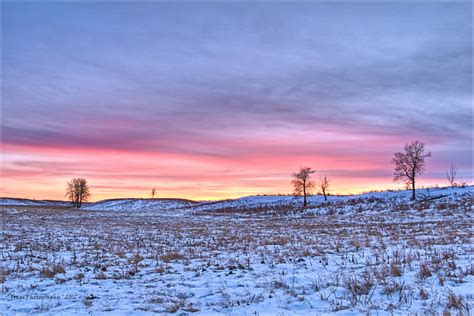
46, 273
172, 256
395, 270
455, 301
375, 247
425, 271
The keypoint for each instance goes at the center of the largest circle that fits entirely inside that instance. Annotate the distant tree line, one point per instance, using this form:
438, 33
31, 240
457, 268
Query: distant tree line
409, 164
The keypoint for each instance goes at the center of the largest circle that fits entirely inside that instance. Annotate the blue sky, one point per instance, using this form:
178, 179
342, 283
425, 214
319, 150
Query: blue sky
249, 91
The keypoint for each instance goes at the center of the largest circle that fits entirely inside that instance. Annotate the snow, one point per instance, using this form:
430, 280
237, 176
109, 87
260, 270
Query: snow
27, 202
138, 204
265, 255
279, 200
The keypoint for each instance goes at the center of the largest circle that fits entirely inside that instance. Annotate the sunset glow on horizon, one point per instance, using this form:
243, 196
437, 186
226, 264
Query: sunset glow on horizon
213, 101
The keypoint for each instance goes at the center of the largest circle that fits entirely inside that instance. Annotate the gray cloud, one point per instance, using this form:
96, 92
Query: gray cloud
196, 76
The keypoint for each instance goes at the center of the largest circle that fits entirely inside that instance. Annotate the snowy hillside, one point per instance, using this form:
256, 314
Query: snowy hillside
28, 202
138, 204
249, 202
315, 200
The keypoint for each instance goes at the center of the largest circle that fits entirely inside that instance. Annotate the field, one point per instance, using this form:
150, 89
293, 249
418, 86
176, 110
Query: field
260, 255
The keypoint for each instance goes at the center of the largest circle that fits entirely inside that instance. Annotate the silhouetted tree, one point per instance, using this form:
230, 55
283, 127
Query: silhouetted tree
410, 163
302, 182
451, 174
153, 192
77, 191
324, 185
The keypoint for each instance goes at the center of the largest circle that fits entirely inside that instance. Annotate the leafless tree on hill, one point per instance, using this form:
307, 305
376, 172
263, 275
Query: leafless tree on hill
410, 163
451, 174
324, 185
302, 182
77, 191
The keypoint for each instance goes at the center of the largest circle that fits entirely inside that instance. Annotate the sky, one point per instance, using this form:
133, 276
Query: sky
222, 100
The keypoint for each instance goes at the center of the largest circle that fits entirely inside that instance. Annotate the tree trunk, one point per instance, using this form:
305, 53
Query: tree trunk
325, 199
413, 189
304, 193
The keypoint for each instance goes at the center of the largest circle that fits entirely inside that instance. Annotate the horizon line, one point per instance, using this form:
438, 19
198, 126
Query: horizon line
433, 186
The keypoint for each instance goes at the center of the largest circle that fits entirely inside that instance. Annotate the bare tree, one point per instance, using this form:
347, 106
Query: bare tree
324, 185
153, 192
77, 191
451, 174
410, 163
302, 182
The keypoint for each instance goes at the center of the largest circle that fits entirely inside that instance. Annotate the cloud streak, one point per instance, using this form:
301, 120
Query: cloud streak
233, 89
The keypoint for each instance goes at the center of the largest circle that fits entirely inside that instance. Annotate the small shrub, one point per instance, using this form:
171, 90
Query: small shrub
425, 271
441, 279
424, 294
135, 260
455, 301
47, 273
3, 275
357, 286
172, 256
79, 276
191, 309
172, 308
395, 270
58, 269
120, 254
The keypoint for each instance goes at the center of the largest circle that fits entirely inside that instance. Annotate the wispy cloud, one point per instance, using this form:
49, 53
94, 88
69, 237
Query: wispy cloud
257, 88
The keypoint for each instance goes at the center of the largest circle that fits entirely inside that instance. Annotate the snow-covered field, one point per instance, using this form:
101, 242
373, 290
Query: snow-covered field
139, 205
28, 202
260, 255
